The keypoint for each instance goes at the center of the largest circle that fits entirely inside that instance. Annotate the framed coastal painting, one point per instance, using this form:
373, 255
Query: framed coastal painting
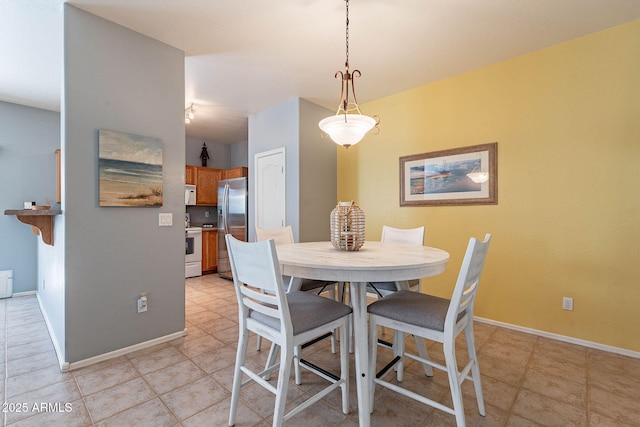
460, 176
130, 168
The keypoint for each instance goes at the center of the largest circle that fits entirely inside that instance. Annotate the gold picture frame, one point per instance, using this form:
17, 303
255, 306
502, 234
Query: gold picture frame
444, 178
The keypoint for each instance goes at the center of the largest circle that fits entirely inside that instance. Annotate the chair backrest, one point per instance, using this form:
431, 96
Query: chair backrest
413, 236
464, 294
258, 281
281, 236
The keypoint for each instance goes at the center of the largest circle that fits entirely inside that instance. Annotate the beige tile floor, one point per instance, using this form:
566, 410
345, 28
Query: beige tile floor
527, 380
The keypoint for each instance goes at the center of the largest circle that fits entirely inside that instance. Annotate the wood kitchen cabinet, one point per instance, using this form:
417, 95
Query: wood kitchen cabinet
207, 186
209, 250
190, 175
238, 172
206, 182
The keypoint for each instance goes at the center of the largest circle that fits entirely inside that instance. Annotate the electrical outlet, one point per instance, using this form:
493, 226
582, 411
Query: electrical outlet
567, 303
142, 303
206, 214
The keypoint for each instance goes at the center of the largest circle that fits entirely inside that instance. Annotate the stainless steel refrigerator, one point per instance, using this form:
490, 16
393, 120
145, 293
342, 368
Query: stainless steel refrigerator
232, 218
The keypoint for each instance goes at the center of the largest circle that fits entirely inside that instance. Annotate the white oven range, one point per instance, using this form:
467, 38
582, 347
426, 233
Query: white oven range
193, 252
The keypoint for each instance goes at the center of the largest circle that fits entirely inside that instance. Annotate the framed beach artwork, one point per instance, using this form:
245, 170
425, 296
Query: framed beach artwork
130, 169
460, 176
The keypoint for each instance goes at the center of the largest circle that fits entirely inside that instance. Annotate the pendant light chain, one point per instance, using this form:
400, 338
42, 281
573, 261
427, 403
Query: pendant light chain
346, 64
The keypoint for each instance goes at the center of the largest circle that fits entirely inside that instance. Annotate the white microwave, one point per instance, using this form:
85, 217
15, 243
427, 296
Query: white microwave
189, 194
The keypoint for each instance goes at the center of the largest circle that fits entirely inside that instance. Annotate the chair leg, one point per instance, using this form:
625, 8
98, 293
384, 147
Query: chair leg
341, 292
350, 334
296, 365
271, 359
286, 357
332, 295
333, 341
398, 351
454, 384
241, 355
475, 368
344, 369
373, 353
422, 351
259, 343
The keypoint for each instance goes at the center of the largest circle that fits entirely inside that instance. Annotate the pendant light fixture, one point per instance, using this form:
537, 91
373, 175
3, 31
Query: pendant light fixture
348, 126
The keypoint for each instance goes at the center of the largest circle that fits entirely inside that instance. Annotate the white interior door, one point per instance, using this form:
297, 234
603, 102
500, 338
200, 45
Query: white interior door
270, 189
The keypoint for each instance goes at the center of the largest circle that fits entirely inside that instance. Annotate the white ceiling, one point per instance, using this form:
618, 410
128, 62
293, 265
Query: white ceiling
245, 56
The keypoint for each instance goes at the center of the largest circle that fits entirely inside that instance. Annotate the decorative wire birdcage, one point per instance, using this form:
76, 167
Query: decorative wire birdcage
347, 226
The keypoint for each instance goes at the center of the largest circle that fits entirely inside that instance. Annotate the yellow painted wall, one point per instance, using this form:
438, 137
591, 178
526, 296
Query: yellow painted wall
567, 222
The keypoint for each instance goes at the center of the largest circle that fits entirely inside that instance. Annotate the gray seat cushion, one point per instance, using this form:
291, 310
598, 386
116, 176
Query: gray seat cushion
426, 311
381, 286
309, 284
308, 311
386, 287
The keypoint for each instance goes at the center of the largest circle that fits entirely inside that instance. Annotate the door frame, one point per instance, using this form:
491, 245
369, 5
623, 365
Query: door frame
257, 157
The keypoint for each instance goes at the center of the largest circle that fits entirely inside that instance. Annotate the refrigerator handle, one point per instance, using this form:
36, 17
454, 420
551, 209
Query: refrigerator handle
225, 208
223, 220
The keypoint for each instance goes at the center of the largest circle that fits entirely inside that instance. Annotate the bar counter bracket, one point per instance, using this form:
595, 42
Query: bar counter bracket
41, 221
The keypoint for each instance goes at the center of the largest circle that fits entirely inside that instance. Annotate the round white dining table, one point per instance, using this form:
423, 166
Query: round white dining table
374, 262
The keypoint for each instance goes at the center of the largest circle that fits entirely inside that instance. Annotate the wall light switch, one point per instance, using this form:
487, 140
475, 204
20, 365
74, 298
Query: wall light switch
165, 219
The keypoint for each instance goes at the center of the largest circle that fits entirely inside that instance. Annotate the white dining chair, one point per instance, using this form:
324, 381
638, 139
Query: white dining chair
411, 236
286, 319
436, 319
284, 236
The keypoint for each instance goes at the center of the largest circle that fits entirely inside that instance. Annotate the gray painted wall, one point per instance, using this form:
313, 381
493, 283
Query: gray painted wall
116, 79
28, 140
319, 175
239, 154
311, 195
270, 129
221, 156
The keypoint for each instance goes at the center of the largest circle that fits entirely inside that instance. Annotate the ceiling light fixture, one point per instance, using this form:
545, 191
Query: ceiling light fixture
189, 114
348, 126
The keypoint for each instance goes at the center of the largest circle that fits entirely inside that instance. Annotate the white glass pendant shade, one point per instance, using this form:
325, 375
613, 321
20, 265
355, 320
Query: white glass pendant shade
347, 129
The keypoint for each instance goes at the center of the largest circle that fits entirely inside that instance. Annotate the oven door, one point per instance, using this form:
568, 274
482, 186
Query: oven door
193, 245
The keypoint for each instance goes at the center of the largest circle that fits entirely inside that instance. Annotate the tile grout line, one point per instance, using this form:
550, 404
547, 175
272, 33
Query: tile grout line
524, 377
156, 394
82, 398
510, 412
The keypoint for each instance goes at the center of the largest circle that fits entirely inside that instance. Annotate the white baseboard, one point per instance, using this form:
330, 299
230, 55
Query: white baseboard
66, 366
563, 338
52, 335
23, 294
123, 351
